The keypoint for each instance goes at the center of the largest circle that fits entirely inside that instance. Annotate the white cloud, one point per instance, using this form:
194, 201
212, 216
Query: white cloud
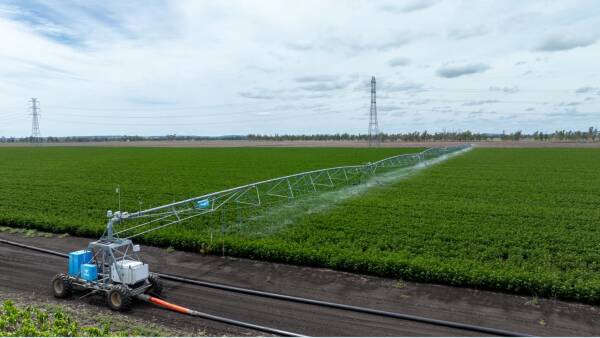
408, 6
468, 32
562, 41
506, 90
479, 102
399, 61
194, 67
588, 89
450, 71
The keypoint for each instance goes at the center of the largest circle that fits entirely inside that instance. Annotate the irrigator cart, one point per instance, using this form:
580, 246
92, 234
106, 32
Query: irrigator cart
110, 266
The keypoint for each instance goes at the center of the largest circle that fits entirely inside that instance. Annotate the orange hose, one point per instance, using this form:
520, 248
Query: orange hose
169, 306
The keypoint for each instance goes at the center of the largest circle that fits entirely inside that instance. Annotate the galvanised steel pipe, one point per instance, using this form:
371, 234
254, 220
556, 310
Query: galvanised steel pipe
437, 322
369, 165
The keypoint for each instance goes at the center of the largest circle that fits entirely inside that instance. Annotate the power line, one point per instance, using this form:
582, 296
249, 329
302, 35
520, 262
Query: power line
141, 116
13, 119
268, 118
404, 103
475, 102
162, 107
168, 107
501, 89
12, 116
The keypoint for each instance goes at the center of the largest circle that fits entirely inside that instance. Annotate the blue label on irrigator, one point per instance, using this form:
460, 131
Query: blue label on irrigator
203, 204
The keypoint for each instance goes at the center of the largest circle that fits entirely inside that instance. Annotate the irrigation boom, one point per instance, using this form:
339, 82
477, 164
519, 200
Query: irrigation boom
262, 194
111, 265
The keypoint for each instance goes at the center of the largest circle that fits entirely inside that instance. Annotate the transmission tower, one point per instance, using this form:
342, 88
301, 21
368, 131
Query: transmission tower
35, 123
373, 126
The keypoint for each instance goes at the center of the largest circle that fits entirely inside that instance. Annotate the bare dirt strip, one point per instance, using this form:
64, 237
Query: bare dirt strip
25, 271
316, 144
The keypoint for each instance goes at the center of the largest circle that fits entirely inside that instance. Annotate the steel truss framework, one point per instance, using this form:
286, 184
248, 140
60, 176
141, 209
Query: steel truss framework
241, 202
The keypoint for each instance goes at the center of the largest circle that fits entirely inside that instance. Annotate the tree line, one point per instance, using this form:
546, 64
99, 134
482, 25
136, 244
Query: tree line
591, 135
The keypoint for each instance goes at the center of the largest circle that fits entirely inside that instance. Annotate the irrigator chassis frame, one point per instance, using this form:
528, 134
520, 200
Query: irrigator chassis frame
105, 254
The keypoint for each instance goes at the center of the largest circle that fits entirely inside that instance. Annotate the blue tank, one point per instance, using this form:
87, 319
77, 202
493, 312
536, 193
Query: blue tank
89, 272
76, 259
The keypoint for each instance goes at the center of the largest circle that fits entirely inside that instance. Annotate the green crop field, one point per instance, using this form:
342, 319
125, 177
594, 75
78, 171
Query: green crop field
70, 189
45, 320
517, 220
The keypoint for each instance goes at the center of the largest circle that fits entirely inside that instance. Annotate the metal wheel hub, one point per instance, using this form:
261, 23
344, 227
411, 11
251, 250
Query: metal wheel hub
58, 286
115, 299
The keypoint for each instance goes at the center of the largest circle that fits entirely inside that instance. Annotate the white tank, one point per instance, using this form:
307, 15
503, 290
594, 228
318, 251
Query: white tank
131, 271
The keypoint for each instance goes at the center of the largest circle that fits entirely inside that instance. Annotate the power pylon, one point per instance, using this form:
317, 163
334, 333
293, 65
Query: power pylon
373, 126
35, 123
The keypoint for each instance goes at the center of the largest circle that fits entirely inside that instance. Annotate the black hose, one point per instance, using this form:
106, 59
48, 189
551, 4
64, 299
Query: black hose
194, 313
454, 325
244, 324
25, 246
449, 324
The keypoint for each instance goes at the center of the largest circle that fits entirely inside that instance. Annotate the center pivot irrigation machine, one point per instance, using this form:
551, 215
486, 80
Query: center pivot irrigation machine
111, 266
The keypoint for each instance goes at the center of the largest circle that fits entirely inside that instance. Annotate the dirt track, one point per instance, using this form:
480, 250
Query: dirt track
22, 270
343, 144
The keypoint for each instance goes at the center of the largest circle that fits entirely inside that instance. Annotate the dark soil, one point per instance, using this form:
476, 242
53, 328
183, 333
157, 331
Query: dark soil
25, 271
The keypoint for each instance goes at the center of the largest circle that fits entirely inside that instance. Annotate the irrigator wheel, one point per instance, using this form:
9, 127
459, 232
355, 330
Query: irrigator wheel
61, 286
119, 298
156, 287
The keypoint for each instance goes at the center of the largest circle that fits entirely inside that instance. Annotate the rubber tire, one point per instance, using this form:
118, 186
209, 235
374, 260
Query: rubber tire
61, 286
156, 287
119, 298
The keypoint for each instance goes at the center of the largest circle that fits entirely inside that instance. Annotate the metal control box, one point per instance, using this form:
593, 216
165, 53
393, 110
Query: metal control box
129, 272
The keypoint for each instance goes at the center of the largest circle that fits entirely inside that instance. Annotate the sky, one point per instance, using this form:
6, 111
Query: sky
298, 67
